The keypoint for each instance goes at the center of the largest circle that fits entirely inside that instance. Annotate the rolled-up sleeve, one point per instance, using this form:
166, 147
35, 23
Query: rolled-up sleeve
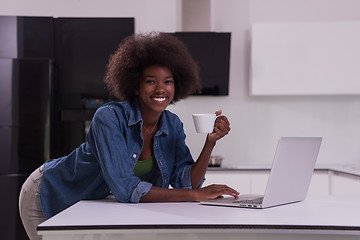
141, 189
186, 177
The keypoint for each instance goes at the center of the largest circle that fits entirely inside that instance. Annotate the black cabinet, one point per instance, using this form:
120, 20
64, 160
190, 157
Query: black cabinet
50, 69
24, 132
11, 227
25, 74
211, 51
82, 47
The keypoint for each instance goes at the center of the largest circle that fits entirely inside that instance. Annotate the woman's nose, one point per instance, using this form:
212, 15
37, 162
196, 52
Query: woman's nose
159, 87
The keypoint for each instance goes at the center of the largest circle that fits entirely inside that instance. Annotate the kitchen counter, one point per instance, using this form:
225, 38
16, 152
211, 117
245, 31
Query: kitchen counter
314, 218
344, 169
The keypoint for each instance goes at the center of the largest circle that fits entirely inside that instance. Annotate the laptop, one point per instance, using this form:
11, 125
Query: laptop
289, 178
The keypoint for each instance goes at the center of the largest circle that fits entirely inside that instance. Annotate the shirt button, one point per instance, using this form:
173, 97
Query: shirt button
134, 155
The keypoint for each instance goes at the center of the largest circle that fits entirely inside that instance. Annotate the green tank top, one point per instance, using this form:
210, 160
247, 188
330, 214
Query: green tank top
144, 166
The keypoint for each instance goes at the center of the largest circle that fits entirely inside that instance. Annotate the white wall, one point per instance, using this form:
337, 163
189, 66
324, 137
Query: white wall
256, 122
196, 15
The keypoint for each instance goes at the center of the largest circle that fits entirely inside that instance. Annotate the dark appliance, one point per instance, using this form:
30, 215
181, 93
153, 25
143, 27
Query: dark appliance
211, 50
25, 69
51, 82
82, 50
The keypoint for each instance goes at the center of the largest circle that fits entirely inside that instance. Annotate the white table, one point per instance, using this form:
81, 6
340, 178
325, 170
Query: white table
315, 218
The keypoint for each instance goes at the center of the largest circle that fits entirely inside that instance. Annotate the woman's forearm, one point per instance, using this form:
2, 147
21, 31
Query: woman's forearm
157, 194
199, 168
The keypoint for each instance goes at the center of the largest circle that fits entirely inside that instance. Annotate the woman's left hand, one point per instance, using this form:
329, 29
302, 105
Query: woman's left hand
221, 127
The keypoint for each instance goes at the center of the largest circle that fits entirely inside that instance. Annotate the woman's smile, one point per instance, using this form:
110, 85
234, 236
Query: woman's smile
160, 99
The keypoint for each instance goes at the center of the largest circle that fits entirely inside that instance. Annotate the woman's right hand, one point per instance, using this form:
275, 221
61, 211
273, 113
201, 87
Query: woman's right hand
214, 191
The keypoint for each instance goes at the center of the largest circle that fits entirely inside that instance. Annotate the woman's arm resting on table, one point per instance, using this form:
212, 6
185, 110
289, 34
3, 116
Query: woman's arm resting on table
157, 194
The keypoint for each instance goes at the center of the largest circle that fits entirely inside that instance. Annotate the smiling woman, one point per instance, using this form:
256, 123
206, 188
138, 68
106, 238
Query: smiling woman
138, 51
135, 148
155, 90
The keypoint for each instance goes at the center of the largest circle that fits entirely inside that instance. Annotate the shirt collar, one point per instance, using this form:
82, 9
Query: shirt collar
135, 113
135, 117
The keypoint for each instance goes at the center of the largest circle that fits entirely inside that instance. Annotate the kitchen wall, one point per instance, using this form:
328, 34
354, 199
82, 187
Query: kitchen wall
256, 122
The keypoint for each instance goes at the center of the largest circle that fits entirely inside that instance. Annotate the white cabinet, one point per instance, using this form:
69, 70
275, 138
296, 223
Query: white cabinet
323, 182
345, 184
320, 184
254, 181
305, 58
258, 181
244, 181
238, 180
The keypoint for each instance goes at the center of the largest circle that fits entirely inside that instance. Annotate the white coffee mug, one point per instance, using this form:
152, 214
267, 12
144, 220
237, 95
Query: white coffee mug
204, 122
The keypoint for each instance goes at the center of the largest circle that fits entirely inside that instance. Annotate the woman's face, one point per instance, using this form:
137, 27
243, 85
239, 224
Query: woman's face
156, 89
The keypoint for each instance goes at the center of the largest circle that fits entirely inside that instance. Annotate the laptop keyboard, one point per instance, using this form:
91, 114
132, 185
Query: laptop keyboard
251, 201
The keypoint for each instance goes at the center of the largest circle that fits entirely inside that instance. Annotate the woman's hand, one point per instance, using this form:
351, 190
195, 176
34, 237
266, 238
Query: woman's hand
221, 127
214, 191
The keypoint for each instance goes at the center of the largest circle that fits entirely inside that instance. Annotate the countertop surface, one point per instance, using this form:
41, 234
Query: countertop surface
313, 214
347, 169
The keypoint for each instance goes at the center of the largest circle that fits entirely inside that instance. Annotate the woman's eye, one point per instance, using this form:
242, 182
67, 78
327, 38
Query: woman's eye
149, 81
169, 81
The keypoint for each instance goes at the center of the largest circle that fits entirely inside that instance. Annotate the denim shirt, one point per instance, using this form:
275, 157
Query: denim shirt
106, 161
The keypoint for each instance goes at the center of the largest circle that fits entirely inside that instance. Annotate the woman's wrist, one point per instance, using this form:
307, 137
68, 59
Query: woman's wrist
210, 142
194, 195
